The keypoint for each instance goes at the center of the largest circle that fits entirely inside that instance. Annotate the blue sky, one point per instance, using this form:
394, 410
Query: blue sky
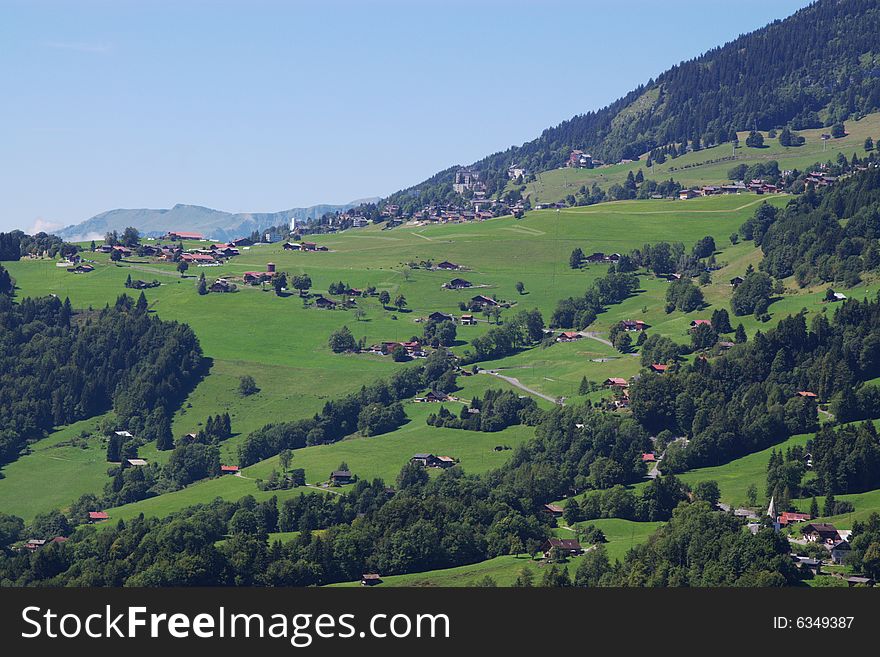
262, 106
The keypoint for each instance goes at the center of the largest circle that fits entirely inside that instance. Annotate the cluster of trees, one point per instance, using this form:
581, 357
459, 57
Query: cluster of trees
699, 547
580, 312
342, 340
752, 295
767, 171
497, 410
439, 333
865, 541
683, 295
7, 283
660, 349
16, 243
217, 428
522, 330
124, 358
745, 400
846, 459
656, 501
807, 239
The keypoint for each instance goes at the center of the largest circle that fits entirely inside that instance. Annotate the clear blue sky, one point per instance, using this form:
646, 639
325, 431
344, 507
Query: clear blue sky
262, 106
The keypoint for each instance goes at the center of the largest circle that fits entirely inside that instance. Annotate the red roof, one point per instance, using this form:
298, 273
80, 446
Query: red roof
657, 367
197, 257
701, 322
228, 468
788, 517
806, 393
649, 456
59, 539
98, 515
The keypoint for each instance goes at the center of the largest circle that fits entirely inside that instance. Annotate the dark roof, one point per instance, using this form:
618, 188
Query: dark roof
564, 543
338, 474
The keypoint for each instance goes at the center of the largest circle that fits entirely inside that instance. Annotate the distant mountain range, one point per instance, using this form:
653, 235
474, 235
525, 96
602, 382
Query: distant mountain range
215, 224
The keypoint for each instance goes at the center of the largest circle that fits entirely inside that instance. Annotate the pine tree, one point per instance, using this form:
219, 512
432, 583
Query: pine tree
740, 335
830, 503
584, 388
142, 304
814, 508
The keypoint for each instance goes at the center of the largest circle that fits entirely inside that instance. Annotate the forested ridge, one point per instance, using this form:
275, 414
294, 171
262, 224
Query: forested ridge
57, 367
815, 68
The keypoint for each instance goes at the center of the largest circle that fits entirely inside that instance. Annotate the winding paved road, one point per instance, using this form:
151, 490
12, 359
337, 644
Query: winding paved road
516, 383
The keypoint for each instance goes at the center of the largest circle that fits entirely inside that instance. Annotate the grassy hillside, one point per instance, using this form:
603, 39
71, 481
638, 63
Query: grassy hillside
710, 165
283, 345
622, 535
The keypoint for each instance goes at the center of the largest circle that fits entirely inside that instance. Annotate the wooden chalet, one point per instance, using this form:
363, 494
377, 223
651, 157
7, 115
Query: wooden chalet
370, 579
340, 477
482, 301
570, 546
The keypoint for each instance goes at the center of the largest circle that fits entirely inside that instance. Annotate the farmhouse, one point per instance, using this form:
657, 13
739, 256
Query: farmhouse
136, 463
97, 516
788, 517
228, 469
553, 509
481, 301
287, 246
448, 265
736, 281
35, 543
81, 269
700, 322
457, 284
424, 460
596, 257
570, 546
221, 285
807, 394
821, 532
445, 462
841, 552
323, 302
649, 457
688, 193
340, 477
198, 258
658, 367
370, 579
123, 434
569, 336
182, 235
616, 382
436, 396
633, 325
440, 317
859, 580
468, 320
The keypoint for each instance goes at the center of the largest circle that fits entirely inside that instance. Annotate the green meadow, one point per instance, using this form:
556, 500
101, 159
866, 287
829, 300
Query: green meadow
622, 535
283, 344
710, 165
